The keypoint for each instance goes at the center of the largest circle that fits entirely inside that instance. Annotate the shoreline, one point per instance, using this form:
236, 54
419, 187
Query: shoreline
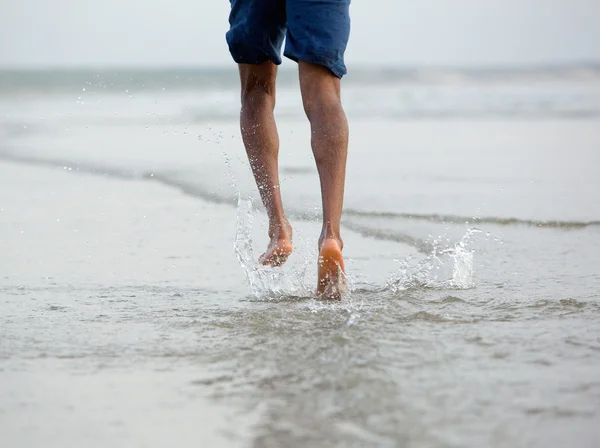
141, 230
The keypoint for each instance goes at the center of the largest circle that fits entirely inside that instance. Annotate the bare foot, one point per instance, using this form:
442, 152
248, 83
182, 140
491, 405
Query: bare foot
280, 246
332, 274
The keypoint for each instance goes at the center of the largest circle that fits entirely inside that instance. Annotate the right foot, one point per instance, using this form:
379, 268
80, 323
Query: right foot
280, 246
332, 275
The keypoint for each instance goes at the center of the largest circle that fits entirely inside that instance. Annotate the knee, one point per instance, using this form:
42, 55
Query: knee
321, 102
320, 90
257, 92
320, 98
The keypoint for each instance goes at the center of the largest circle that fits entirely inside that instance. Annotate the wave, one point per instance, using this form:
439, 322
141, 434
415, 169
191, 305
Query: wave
456, 219
202, 79
68, 165
165, 178
197, 190
209, 116
379, 234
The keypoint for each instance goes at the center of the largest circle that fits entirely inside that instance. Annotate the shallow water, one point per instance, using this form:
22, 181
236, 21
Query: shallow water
473, 247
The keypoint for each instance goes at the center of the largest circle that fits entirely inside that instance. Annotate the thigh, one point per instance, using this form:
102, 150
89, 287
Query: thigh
256, 32
318, 32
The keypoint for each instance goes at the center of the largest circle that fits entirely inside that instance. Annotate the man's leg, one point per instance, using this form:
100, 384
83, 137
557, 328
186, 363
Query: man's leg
329, 130
259, 133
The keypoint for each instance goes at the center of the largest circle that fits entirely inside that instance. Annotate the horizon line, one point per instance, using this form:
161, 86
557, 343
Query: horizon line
595, 64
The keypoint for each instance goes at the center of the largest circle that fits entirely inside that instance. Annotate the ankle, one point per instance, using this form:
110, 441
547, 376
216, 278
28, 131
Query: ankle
330, 236
279, 227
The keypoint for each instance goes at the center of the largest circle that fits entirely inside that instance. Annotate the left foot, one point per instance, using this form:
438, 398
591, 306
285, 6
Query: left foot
280, 246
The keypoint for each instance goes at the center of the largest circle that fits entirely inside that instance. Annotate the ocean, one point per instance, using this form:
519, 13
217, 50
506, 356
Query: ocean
133, 310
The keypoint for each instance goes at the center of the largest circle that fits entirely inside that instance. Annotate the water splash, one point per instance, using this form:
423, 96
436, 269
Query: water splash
463, 262
442, 268
450, 268
264, 281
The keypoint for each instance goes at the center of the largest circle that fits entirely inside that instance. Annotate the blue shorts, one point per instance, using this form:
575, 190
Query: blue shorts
315, 31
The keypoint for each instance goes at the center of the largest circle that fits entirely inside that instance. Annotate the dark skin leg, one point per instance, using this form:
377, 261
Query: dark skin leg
329, 129
259, 133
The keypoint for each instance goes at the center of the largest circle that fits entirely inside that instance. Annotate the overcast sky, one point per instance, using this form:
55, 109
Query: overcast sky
391, 32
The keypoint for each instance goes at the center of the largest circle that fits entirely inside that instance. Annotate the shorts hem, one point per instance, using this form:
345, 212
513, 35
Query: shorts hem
242, 54
337, 68
254, 61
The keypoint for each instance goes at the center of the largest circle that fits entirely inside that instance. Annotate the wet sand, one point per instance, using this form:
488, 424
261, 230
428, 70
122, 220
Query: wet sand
133, 312
93, 269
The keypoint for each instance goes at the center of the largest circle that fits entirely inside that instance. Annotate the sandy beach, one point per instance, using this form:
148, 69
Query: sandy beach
92, 270
77, 248
133, 311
